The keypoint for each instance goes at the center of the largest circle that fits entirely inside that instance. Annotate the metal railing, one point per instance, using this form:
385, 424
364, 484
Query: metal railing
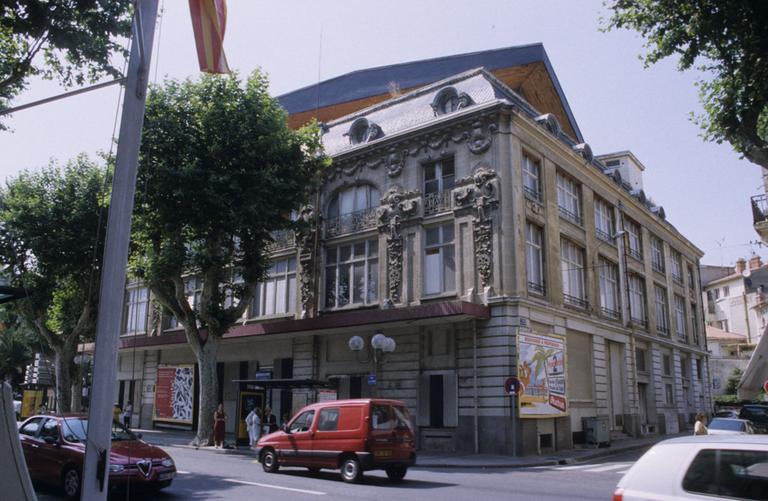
575, 301
435, 203
351, 222
281, 239
659, 267
635, 253
609, 313
605, 237
639, 322
532, 194
536, 288
570, 216
759, 208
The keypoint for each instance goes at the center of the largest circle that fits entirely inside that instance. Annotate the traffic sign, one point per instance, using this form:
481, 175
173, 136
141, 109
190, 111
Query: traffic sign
513, 385
371, 379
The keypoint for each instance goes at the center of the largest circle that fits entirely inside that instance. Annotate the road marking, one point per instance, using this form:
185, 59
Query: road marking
303, 491
609, 467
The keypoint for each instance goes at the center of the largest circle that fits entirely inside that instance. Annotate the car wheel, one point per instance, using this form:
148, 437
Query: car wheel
396, 473
269, 462
71, 483
351, 471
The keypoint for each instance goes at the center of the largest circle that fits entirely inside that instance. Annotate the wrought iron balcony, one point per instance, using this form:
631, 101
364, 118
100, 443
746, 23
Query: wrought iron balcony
532, 194
609, 313
350, 222
760, 208
635, 253
435, 203
570, 216
281, 239
640, 322
536, 288
575, 301
605, 237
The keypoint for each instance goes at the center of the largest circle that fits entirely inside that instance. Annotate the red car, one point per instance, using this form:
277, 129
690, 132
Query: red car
54, 449
348, 435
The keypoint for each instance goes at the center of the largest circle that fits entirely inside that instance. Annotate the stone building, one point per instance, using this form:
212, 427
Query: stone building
465, 218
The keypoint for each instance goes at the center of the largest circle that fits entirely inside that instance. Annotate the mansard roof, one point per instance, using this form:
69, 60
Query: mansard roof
526, 69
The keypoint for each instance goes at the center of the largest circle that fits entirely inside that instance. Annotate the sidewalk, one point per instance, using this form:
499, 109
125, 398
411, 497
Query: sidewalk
177, 438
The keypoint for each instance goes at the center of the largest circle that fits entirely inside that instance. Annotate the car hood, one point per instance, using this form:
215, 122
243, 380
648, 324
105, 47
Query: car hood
272, 436
122, 450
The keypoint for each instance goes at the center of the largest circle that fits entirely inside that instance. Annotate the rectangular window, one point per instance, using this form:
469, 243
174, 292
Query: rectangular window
604, 221
137, 300
609, 288
698, 368
669, 395
568, 199
662, 310
572, 269
641, 360
691, 280
193, 290
532, 178
728, 473
657, 255
695, 323
634, 239
277, 293
439, 262
534, 258
439, 180
666, 360
637, 300
677, 267
684, 367
680, 317
726, 291
352, 274
717, 294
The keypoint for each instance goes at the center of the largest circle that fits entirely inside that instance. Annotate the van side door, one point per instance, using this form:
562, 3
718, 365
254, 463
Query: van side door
297, 447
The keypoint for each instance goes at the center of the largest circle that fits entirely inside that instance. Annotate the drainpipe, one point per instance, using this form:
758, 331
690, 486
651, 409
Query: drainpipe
746, 316
474, 384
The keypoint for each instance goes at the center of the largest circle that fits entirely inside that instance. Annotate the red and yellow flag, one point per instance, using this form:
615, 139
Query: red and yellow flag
209, 21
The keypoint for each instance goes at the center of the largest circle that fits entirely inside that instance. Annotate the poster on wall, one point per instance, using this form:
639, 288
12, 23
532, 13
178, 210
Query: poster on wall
541, 370
174, 393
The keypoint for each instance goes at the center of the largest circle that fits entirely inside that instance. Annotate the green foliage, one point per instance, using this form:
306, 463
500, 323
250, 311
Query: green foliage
727, 399
70, 40
728, 42
732, 384
17, 346
219, 170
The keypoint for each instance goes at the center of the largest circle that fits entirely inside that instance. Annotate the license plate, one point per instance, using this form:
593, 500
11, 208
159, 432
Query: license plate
166, 476
382, 454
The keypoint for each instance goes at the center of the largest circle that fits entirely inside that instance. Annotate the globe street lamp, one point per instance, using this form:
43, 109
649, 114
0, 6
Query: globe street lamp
381, 345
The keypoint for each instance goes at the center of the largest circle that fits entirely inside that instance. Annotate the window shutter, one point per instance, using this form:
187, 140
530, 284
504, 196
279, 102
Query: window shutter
450, 401
423, 410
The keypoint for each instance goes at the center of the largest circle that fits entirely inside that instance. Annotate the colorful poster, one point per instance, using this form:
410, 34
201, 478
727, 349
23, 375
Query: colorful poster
174, 395
541, 368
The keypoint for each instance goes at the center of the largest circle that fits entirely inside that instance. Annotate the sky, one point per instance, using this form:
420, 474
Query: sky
618, 104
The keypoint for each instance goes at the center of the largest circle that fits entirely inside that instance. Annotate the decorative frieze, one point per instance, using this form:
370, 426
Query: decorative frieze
396, 206
305, 239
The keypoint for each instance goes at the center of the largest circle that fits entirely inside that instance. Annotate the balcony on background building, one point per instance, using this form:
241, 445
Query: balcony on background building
760, 215
575, 301
435, 203
281, 239
350, 222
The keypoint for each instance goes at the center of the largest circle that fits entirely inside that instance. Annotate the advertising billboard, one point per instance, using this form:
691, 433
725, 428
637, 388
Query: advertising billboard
541, 369
174, 394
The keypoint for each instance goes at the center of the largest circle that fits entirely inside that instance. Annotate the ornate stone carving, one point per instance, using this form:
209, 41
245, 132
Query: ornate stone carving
478, 192
154, 318
396, 206
305, 239
479, 141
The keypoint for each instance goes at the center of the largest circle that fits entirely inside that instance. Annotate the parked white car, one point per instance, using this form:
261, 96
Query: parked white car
723, 426
699, 467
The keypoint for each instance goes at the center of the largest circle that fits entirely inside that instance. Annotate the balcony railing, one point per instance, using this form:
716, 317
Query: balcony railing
350, 222
658, 267
605, 236
536, 288
575, 301
635, 253
570, 216
640, 322
759, 208
532, 194
609, 313
435, 203
281, 239
662, 329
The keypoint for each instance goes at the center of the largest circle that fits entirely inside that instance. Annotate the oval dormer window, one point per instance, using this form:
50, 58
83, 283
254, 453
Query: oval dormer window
449, 100
363, 130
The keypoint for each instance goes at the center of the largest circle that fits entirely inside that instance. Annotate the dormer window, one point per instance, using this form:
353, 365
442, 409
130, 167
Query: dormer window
449, 100
363, 130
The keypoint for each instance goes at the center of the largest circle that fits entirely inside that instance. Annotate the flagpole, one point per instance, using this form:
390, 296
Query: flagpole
95, 474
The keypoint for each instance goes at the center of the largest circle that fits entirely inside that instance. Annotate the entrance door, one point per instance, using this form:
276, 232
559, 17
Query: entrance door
615, 384
642, 394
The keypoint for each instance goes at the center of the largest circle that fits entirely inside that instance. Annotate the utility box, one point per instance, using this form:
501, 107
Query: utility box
596, 431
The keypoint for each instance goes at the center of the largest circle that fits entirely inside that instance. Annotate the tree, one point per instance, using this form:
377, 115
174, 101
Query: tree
70, 40
728, 41
51, 239
16, 348
732, 384
219, 170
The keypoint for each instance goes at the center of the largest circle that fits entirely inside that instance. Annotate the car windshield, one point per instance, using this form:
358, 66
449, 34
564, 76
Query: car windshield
76, 430
726, 424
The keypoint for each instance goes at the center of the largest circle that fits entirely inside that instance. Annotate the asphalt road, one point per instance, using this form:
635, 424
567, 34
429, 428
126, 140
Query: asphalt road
208, 475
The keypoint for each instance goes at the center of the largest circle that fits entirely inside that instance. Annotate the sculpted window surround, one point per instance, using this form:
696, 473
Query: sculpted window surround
439, 180
352, 274
448, 100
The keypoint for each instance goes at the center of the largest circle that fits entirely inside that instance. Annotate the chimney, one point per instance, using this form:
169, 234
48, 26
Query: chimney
741, 265
755, 262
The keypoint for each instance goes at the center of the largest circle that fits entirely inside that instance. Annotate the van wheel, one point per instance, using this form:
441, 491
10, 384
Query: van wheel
351, 471
396, 473
269, 462
70, 482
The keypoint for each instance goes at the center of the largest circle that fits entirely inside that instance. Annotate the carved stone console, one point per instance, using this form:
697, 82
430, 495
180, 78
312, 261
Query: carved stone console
396, 207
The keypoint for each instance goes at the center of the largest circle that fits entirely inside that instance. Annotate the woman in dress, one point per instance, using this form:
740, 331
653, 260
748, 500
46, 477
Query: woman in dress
219, 422
253, 423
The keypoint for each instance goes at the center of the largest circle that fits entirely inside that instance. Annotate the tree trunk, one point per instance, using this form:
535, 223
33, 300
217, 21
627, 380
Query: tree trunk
209, 385
62, 363
77, 389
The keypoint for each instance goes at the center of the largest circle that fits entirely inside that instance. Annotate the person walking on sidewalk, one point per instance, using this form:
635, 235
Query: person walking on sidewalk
700, 428
270, 421
253, 424
127, 412
219, 423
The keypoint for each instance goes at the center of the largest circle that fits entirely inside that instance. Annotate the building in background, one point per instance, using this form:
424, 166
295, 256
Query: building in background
465, 219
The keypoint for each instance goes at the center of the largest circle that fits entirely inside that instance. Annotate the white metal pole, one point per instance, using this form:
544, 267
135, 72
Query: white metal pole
95, 476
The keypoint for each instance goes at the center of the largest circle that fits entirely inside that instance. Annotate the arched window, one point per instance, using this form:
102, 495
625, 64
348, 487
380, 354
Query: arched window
363, 130
449, 100
352, 209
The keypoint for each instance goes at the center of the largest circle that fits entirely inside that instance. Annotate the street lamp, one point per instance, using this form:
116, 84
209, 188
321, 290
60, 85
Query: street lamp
380, 346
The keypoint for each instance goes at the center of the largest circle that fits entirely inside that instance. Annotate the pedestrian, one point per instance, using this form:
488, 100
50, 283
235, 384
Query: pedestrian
253, 424
127, 413
700, 428
270, 421
286, 418
116, 412
219, 425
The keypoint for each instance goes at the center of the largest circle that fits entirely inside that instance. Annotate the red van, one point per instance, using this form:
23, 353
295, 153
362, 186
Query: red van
350, 435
